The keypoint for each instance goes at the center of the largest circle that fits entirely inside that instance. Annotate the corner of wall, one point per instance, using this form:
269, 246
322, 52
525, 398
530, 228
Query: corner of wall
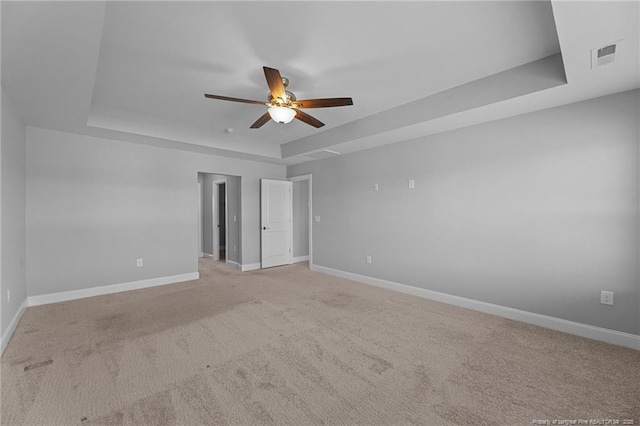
8, 332
13, 286
638, 181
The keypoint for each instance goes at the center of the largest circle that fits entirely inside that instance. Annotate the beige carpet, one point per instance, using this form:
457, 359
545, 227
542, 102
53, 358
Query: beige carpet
292, 346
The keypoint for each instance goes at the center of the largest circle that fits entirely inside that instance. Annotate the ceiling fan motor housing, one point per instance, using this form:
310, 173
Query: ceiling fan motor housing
290, 98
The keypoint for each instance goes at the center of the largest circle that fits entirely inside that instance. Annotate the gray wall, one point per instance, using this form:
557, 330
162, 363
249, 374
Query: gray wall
301, 218
537, 212
12, 217
95, 205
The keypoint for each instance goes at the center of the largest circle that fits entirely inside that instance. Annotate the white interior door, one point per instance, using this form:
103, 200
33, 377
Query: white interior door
277, 229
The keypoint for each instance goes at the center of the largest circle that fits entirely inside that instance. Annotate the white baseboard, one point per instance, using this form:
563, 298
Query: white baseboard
234, 264
250, 267
109, 289
207, 255
244, 268
301, 259
583, 330
8, 333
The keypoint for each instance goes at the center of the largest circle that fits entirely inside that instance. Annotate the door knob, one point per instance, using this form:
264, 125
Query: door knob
264, 228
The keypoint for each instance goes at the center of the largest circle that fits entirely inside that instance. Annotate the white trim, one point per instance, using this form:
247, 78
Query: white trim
234, 264
250, 266
200, 199
207, 256
64, 296
215, 226
8, 333
300, 259
298, 178
308, 177
583, 330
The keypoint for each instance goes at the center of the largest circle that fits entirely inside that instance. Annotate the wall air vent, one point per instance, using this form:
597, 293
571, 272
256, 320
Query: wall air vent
605, 54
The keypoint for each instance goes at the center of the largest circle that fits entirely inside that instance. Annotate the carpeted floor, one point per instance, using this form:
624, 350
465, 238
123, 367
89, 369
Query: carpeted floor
291, 346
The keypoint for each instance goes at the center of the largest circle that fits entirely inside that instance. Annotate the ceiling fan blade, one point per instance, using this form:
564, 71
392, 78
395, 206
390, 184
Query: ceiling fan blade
261, 121
323, 103
274, 80
226, 98
306, 118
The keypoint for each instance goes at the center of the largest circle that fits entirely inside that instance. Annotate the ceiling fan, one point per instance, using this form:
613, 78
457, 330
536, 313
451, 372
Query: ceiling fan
283, 105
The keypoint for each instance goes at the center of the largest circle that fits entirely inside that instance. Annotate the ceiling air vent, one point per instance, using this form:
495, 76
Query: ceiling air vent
325, 153
606, 54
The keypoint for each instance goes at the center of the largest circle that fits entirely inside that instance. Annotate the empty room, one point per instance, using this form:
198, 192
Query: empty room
320, 212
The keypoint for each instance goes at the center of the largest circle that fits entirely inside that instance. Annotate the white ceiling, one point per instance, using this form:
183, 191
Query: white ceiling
137, 71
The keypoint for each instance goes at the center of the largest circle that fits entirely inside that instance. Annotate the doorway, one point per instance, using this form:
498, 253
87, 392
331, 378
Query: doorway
218, 219
302, 215
222, 220
218, 213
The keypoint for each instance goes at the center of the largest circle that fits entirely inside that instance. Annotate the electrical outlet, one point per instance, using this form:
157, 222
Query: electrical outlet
369, 260
375, 186
234, 218
8, 295
606, 297
317, 218
139, 263
412, 184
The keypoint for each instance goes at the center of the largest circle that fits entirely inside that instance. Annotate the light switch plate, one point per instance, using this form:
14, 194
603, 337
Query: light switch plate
317, 218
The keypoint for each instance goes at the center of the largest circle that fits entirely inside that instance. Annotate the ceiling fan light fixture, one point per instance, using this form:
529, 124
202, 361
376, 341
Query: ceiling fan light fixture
283, 105
281, 114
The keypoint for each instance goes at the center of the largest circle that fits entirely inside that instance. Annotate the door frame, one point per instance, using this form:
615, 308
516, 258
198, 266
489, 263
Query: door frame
200, 225
215, 208
308, 178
